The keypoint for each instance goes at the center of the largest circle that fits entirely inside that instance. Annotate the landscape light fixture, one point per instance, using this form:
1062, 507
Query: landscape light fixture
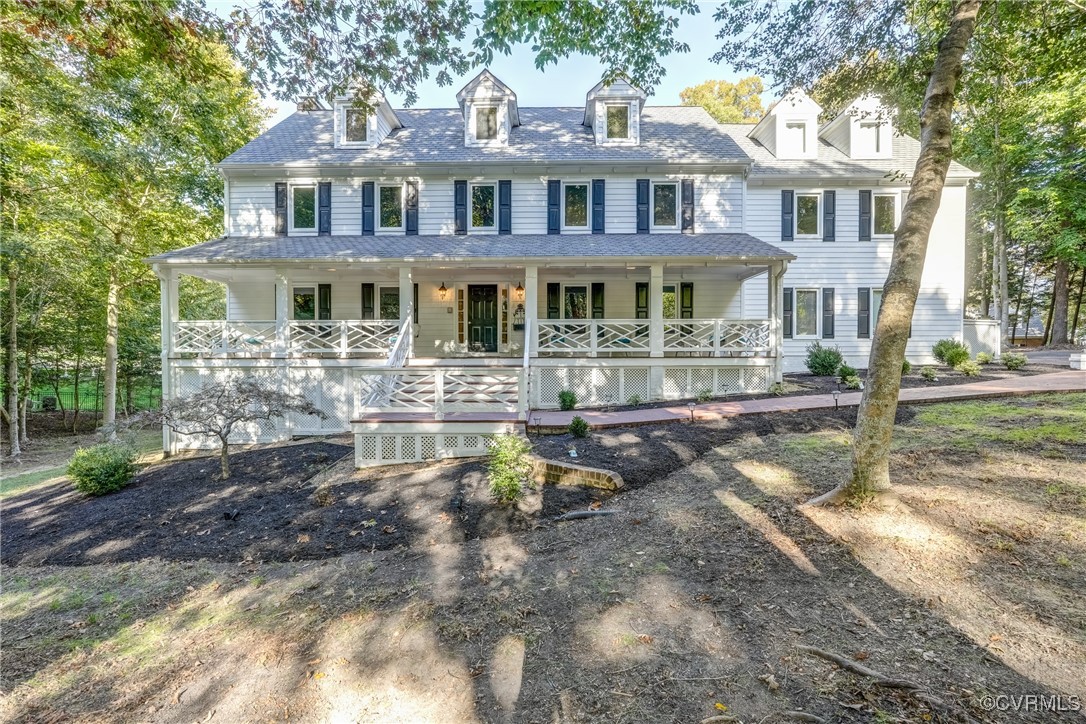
443, 291
691, 405
836, 394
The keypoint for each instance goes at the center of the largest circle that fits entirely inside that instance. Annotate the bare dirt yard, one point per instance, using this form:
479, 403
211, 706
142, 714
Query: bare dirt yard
698, 598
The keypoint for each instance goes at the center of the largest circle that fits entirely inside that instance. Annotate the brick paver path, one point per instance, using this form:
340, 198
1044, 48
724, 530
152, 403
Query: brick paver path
1071, 381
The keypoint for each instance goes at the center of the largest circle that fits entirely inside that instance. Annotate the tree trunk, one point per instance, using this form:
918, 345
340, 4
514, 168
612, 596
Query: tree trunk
1078, 305
24, 402
13, 362
1004, 291
76, 407
224, 459
109, 401
878, 406
985, 286
1059, 301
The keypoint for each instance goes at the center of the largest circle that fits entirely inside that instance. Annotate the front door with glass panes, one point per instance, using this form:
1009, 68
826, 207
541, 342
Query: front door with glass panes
482, 317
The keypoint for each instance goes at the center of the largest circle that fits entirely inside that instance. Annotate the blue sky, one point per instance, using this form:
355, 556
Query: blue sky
567, 82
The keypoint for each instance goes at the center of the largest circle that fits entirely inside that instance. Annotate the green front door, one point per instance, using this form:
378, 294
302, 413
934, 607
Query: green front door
483, 317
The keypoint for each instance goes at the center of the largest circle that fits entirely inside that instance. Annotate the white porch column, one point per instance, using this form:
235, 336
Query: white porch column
531, 309
282, 313
407, 306
656, 310
776, 325
168, 312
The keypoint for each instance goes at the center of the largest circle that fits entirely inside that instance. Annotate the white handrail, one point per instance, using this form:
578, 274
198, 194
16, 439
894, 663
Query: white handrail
526, 377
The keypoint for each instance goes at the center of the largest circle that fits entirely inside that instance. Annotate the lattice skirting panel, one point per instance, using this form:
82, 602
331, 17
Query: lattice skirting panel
685, 382
592, 385
395, 443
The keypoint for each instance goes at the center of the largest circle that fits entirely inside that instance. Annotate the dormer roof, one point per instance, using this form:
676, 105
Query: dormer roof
619, 89
488, 86
794, 101
863, 129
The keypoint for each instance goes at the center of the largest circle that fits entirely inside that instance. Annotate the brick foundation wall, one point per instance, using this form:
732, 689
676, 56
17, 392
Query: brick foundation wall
552, 472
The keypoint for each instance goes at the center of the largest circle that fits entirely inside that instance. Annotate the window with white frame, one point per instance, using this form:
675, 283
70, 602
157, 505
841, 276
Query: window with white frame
870, 136
806, 313
483, 199
808, 218
617, 121
665, 205
795, 137
355, 126
390, 210
885, 214
388, 301
671, 302
486, 123
303, 208
576, 301
575, 205
304, 302
876, 305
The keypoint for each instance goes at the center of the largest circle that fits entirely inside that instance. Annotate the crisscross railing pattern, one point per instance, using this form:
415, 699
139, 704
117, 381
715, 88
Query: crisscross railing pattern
591, 336
221, 337
716, 335
441, 390
343, 337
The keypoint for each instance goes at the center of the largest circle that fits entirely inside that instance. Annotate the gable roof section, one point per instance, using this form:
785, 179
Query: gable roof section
669, 134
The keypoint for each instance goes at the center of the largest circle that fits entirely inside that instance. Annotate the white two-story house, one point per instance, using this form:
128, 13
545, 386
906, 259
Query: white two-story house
418, 271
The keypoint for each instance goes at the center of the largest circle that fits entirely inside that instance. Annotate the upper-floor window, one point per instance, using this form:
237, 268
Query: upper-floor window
482, 206
618, 121
486, 123
808, 220
355, 126
795, 137
871, 135
885, 214
575, 206
806, 313
391, 207
665, 200
303, 208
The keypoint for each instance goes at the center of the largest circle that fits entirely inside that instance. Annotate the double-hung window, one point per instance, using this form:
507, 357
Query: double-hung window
795, 137
486, 123
884, 213
665, 205
390, 211
806, 313
575, 206
618, 122
355, 126
876, 305
483, 199
808, 215
576, 302
303, 209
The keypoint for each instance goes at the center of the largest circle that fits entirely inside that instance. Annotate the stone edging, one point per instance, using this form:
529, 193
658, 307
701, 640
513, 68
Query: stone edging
552, 472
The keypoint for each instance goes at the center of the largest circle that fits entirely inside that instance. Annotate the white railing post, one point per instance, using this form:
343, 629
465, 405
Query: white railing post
531, 308
522, 394
593, 331
439, 395
342, 338
656, 310
282, 315
717, 331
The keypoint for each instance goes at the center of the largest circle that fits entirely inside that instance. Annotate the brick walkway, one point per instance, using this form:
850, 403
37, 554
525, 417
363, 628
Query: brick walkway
1072, 381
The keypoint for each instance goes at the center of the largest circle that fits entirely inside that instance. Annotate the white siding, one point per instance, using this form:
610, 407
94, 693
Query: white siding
250, 301
252, 208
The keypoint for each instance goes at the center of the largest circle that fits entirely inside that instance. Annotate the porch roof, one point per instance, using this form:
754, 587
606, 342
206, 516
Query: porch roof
516, 248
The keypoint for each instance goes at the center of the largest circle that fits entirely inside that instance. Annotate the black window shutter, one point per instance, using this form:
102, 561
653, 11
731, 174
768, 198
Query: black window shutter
411, 208
641, 300
827, 313
460, 204
863, 318
367, 300
597, 300
415, 303
787, 316
554, 300
505, 207
865, 216
642, 206
688, 205
367, 208
598, 198
324, 208
554, 214
324, 301
280, 209
788, 212
829, 215
686, 300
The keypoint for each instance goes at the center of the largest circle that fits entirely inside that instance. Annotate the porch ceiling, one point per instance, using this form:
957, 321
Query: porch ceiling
471, 249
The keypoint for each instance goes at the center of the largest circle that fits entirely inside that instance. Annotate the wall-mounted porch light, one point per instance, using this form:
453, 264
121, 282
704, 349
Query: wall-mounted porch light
518, 293
443, 291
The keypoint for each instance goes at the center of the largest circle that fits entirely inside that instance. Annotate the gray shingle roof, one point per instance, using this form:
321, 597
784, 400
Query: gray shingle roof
831, 161
345, 249
669, 134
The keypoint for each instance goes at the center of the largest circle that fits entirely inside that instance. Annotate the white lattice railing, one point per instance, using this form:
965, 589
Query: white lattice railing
716, 336
591, 336
441, 390
222, 337
342, 337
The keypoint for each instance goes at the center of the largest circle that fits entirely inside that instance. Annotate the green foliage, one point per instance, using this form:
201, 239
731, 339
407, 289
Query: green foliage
705, 395
1014, 361
906, 367
634, 400
567, 400
929, 374
852, 383
968, 368
509, 468
578, 427
950, 352
777, 389
739, 102
102, 468
846, 370
983, 358
823, 361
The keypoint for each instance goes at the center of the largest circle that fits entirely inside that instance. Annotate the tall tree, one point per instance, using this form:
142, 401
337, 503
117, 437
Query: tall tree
739, 102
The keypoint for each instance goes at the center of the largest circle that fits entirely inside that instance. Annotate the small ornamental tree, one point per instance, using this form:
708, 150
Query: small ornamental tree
216, 409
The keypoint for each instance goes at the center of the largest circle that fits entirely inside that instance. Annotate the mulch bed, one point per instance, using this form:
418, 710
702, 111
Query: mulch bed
176, 510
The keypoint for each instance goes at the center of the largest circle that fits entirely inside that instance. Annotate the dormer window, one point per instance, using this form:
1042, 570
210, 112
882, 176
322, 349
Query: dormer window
618, 121
613, 112
355, 126
358, 127
870, 135
795, 137
486, 123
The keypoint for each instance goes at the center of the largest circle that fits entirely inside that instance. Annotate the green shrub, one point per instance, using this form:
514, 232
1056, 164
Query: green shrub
103, 468
929, 374
823, 360
705, 395
852, 382
777, 388
950, 352
983, 358
969, 369
509, 468
634, 400
906, 367
846, 370
1014, 361
567, 399
578, 427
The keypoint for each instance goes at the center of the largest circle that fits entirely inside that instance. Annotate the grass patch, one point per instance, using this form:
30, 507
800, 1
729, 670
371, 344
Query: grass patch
19, 483
1017, 421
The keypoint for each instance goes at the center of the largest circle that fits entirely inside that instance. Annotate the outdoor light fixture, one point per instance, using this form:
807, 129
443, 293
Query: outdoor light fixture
443, 291
691, 405
518, 293
836, 394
